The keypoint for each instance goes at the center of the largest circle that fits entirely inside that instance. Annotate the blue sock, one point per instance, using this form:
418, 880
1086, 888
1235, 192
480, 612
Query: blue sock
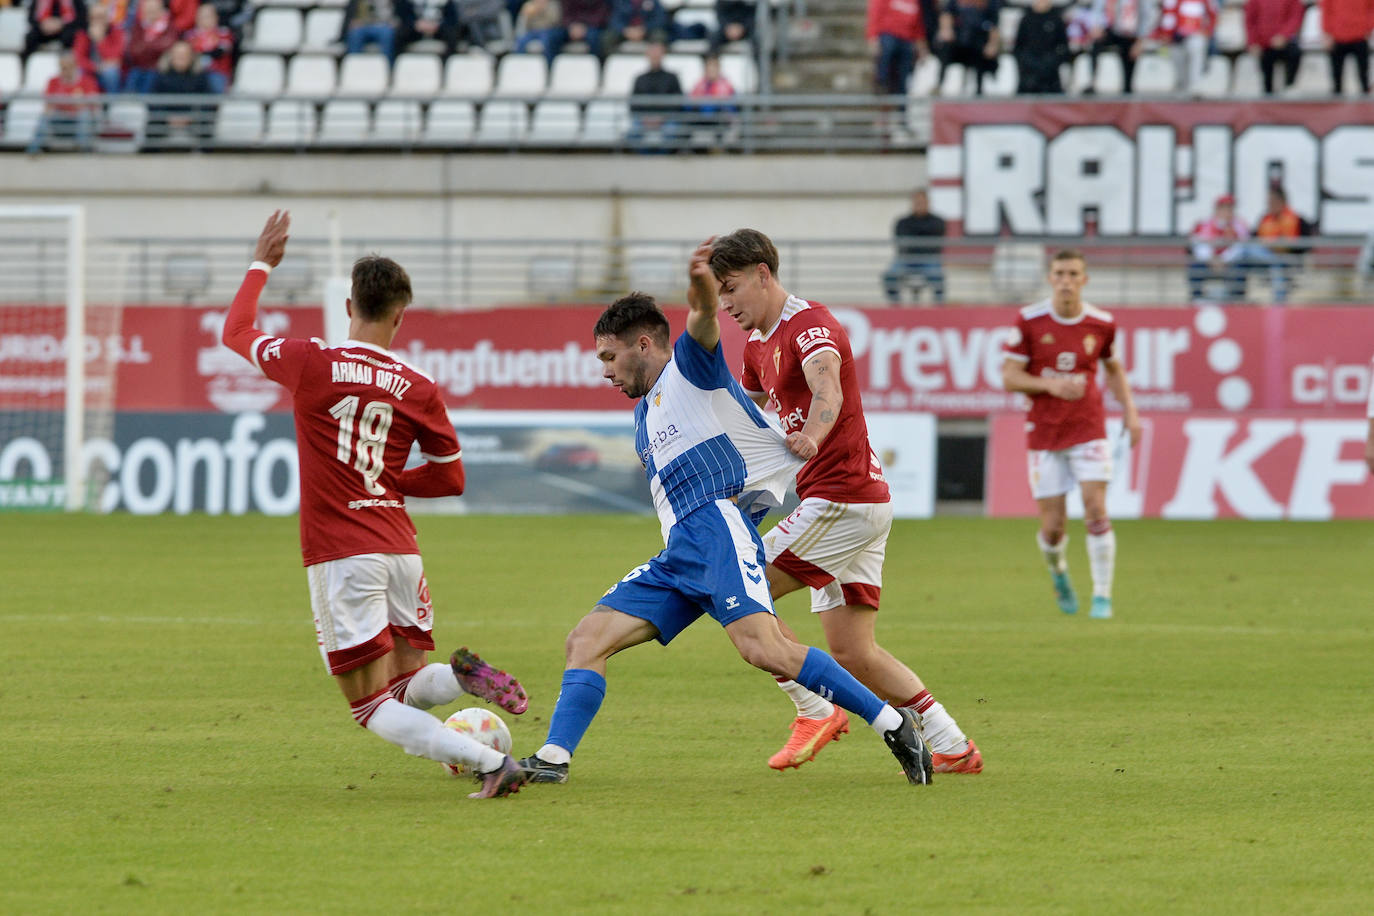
823, 675
578, 702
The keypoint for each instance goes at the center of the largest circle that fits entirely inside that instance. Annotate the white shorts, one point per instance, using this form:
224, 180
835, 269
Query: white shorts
1055, 473
835, 548
363, 604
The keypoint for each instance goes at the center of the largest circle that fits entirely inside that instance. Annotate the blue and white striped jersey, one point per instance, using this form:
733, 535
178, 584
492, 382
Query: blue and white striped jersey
701, 438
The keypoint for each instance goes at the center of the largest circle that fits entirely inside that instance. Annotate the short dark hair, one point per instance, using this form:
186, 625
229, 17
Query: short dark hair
632, 315
1068, 254
379, 286
741, 250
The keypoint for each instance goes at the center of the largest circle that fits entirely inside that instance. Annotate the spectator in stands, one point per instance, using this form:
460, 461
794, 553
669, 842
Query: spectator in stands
180, 75
969, 36
1281, 230
734, 22
1187, 26
1040, 48
537, 25
655, 124
235, 14
1221, 248
1271, 33
71, 122
918, 256
896, 35
583, 21
214, 46
480, 22
430, 20
709, 95
371, 22
1122, 26
54, 21
1347, 24
100, 48
150, 37
636, 20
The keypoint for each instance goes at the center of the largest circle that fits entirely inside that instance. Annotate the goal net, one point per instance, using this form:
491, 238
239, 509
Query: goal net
57, 382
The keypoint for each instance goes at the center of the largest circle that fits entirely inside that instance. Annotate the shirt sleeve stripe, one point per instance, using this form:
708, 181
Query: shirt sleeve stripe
1019, 357
253, 351
444, 459
823, 348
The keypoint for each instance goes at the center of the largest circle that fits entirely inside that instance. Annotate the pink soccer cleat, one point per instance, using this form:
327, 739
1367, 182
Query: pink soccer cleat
502, 781
485, 682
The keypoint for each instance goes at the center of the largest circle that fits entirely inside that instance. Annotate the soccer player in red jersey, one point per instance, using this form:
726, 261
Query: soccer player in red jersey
798, 359
1052, 357
358, 409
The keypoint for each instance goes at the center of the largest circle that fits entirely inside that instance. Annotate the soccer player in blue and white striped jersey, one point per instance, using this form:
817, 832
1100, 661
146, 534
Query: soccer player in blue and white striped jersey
711, 457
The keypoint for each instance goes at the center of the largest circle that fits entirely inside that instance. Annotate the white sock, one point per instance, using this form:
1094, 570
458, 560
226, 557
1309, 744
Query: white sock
941, 731
887, 720
1054, 553
809, 705
552, 753
421, 735
1102, 560
433, 685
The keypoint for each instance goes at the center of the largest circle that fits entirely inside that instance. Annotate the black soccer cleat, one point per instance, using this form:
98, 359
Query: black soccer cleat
539, 770
911, 751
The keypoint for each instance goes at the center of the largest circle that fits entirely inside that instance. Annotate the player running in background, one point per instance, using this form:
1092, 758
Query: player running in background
798, 358
358, 409
711, 457
1052, 357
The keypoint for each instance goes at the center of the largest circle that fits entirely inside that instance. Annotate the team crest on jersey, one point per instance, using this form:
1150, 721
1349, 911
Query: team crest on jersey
658, 398
777, 358
1047, 339
1089, 344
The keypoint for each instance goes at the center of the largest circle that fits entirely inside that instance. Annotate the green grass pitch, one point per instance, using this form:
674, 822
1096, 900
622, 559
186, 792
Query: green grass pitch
169, 741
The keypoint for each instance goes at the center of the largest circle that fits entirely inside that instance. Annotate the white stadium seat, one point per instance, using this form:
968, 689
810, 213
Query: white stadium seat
278, 30
555, 121
924, 78
1155, 74
1311, 37
323, 28
260, 75
365, 75
688, 67
1216, 78
345, 121
1110, 76
1314, 75
11, 72
1245, 77
38, 69
619, 72
1230, 32
469, 75
290, 122
14, 27
574, 76
502, 122
523, 75
1003, 81
239, 121
21, 120
417, 75
450, 122
741, 71
311, 75
955, 82
605, 122
397, 120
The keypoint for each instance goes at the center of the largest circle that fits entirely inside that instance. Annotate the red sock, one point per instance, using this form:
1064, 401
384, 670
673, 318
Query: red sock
364, 708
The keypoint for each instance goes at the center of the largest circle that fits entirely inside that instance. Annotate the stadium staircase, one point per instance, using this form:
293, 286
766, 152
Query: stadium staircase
827, 50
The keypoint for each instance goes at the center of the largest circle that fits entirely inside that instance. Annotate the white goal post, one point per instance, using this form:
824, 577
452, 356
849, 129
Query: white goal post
71, 219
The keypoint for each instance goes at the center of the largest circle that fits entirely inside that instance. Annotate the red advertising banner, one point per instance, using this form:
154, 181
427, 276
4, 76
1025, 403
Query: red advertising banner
1313, 361
1147, 168
1211, 465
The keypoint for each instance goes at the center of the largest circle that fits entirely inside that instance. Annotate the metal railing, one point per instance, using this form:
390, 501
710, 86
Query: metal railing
472, 272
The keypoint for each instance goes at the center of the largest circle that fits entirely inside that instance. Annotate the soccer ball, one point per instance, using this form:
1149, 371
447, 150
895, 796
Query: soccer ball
484, 727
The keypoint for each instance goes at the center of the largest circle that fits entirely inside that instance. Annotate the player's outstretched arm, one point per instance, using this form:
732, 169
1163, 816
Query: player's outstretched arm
239, 331
703, 300
1120, 387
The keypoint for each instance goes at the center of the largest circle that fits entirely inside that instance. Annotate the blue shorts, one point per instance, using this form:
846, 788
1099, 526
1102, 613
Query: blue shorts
713, 564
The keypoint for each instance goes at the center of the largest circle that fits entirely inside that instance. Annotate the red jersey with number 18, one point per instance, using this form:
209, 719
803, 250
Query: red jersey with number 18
845, 469
358, 408
1051, 346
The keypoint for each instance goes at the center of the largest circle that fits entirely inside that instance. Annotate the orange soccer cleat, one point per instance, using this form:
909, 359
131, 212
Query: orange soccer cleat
808, 737
970, 761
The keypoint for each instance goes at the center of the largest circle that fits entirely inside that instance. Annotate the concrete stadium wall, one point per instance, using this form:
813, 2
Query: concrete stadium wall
494, 196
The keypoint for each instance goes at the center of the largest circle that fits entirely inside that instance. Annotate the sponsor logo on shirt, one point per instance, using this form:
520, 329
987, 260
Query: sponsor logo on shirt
1089, 344
812, 337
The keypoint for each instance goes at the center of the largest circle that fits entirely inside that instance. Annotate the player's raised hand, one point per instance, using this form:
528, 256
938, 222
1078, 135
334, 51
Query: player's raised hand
272, 243
703, 290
